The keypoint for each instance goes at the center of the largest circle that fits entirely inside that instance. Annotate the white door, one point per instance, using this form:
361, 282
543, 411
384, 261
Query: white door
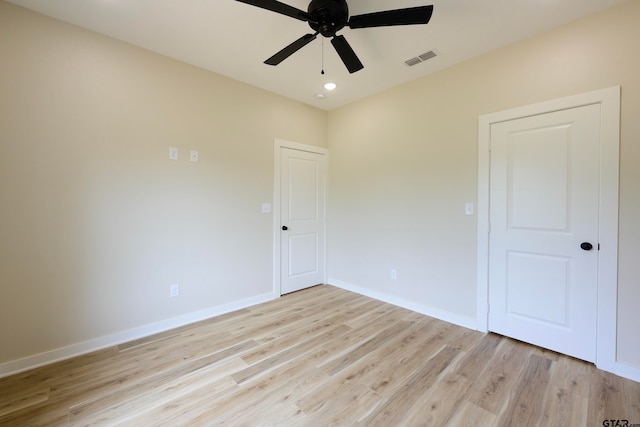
543, 243
302, 217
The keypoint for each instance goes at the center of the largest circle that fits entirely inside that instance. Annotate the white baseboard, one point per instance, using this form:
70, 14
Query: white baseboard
48, 357
621, 370
466, 322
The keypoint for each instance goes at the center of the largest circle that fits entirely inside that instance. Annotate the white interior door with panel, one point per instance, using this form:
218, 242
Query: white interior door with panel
543, 244
302, 219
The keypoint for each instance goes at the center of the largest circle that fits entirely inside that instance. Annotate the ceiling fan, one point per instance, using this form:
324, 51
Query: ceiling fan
327, 17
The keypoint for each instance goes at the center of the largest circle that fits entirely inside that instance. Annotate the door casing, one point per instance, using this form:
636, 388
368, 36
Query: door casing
279, 145
609, 100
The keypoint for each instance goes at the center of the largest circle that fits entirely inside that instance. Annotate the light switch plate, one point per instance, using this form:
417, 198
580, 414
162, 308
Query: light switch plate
173, 153
266, 208
468, 209
194, 156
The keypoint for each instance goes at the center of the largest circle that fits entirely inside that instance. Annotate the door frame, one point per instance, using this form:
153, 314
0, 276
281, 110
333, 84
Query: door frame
278, 146
609, 100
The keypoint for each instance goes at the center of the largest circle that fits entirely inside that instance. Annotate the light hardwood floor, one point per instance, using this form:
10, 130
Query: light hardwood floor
319, 357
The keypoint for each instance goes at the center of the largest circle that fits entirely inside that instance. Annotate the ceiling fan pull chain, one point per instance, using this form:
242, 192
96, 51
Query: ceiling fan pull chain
322, 72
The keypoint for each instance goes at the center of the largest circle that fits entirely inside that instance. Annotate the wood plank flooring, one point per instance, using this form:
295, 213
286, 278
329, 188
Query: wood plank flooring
319, 357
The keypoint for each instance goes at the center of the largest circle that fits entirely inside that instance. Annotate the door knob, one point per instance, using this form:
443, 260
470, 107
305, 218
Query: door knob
586, 246
285, 228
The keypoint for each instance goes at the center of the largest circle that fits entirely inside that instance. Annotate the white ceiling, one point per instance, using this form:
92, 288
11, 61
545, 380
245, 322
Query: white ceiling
233, 38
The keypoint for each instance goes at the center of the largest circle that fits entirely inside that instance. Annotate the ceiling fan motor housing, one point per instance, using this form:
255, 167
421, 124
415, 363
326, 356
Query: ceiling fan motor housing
329, 16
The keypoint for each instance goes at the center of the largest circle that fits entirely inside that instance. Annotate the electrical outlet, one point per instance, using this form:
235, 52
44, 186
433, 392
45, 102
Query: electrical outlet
174, 290
393, 274
194, 156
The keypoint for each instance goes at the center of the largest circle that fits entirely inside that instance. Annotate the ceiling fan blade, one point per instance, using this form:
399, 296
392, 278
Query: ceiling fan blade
347, 54
291, 49
408, 16
279, 7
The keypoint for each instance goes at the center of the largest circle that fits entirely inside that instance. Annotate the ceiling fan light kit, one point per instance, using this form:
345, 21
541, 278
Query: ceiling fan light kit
327, 17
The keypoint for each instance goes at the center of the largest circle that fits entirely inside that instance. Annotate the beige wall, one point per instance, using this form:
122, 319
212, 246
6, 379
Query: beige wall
95, 221
403, 164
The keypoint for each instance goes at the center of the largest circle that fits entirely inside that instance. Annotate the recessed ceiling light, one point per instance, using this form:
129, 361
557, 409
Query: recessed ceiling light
330, 86
320, 95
